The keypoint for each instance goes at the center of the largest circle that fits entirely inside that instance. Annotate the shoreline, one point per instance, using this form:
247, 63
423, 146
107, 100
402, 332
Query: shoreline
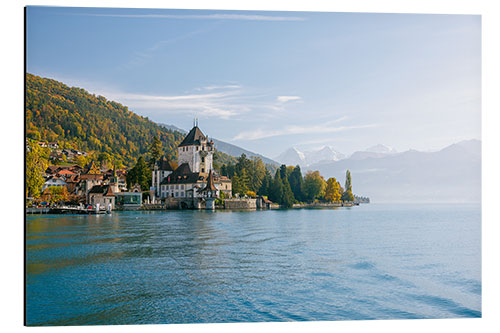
69, 211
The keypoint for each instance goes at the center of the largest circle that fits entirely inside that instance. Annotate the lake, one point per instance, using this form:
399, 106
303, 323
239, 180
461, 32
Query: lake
375, 261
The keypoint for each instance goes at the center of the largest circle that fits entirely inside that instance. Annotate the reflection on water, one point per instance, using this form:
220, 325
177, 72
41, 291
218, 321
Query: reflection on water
369, 262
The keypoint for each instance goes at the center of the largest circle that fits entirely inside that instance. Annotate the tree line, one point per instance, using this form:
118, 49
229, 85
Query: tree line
251, 177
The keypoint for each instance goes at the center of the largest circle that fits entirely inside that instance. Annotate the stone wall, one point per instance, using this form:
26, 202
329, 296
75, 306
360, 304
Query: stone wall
240, 203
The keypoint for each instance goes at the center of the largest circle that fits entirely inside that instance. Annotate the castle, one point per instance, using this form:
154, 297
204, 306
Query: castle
195, 176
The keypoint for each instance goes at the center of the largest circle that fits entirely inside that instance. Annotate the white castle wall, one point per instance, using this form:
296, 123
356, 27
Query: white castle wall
192, 156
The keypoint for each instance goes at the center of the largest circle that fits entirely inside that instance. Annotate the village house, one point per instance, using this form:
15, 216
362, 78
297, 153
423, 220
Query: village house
72, 184
66, 173
54, 181
91, 177
225, 186
101, 196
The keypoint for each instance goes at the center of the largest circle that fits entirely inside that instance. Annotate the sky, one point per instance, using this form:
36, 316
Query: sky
267, 81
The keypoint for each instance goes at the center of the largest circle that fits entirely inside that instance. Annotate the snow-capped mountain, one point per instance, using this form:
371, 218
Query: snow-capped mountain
293, 156
376, 151
383, 149
324, 154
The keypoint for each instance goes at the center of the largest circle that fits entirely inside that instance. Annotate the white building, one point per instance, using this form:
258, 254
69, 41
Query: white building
196, 151
54, 181
161, 170
182, 183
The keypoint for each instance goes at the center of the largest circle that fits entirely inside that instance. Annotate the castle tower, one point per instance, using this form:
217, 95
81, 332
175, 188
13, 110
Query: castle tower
197, 151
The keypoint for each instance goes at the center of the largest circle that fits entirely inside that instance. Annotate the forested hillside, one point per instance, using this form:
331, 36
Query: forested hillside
80, 120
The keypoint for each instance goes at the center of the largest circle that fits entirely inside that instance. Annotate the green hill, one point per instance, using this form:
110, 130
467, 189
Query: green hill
77, 119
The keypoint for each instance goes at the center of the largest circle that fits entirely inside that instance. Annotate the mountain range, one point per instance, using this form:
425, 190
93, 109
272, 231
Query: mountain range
293, 156
452, 174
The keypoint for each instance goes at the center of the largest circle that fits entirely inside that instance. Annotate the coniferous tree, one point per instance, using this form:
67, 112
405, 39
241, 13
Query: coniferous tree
140, 174
235, 184
155, 150
347, 195
287, 199
348, 186
266, 184
241, 182
276, 188
297, 183
283, 172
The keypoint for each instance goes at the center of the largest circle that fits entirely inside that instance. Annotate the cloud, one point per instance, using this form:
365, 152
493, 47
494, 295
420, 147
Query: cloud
284, 99
219, 104
215, 87
294, 129
243, 17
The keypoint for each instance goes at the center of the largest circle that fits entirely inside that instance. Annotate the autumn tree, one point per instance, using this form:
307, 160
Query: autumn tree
332, 190
36, 163
56, 194
81, 161
314, 185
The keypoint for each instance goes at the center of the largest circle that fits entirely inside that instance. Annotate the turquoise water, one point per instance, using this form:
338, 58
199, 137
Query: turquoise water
369, 262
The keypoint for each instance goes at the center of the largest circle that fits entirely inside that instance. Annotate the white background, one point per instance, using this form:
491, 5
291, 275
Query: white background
12, 143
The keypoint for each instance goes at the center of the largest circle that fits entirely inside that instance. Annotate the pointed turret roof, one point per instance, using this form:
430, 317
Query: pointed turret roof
210, 183
193, 137
164, 164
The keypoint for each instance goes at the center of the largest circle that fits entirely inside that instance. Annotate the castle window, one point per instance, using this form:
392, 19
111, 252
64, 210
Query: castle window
202, 170
197, 148
203, 160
